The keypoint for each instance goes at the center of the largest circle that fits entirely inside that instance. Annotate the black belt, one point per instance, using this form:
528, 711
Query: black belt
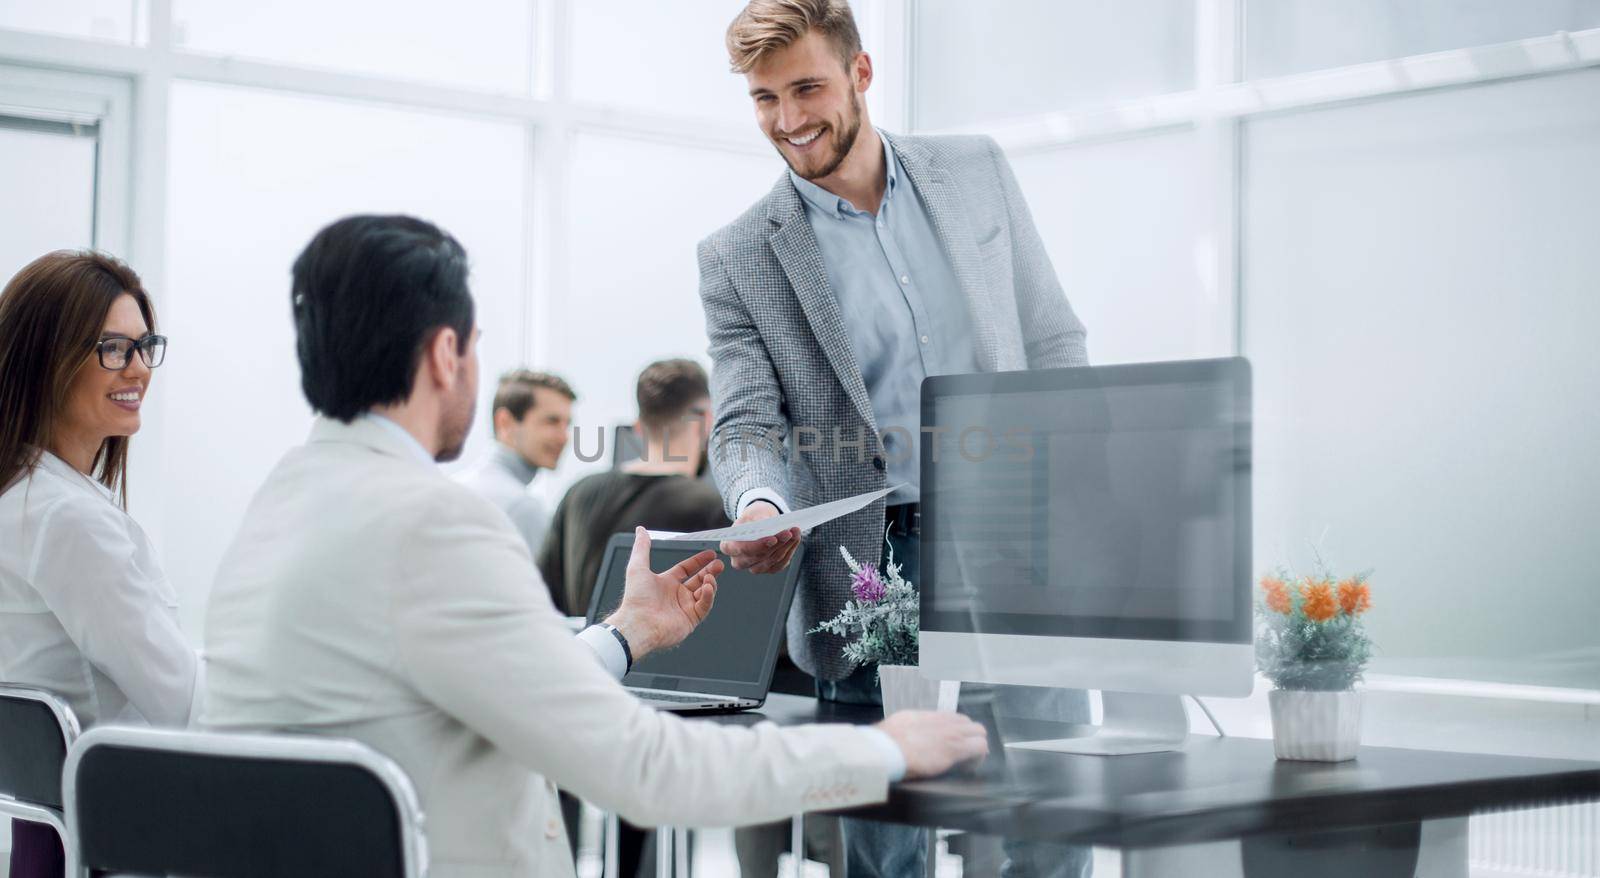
904, 519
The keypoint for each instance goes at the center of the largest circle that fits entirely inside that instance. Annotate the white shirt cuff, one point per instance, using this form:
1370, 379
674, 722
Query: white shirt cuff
891, 753
755, 494
607, 650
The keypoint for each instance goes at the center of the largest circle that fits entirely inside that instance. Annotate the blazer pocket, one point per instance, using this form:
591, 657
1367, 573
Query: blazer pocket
995, 257
987, 238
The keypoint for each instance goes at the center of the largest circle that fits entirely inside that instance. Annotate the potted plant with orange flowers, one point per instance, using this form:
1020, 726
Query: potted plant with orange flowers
1313, 646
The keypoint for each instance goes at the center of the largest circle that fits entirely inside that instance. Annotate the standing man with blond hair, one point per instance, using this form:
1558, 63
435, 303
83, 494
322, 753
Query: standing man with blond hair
875, 261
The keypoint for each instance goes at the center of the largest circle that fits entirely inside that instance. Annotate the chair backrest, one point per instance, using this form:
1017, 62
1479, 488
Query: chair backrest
36, 729
240, 806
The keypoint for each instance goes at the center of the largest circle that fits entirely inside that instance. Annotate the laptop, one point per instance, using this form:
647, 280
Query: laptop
726, 664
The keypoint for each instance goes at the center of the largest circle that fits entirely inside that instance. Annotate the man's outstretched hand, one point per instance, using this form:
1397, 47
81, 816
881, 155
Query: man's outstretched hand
659, 610
766, 555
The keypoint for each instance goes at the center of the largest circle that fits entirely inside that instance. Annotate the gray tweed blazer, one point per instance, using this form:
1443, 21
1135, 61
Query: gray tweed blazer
792, 411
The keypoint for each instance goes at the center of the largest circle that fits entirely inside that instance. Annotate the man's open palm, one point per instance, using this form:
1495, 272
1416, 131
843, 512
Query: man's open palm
668, 606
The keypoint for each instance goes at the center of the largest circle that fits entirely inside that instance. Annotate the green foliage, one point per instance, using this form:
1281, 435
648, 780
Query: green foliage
883, 631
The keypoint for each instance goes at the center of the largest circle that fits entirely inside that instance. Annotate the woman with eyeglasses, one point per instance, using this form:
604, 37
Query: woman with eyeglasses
85, 610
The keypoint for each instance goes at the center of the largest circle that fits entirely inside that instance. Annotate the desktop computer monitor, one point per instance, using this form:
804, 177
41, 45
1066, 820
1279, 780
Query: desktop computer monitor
1090, 528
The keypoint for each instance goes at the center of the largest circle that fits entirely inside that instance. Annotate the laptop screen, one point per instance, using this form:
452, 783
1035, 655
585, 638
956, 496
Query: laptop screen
734, 650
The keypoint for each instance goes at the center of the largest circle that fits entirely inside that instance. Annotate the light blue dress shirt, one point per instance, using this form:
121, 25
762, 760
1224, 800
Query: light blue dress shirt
904, 310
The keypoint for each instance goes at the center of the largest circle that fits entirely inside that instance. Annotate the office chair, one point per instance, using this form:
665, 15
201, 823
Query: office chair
36, 730
148, 801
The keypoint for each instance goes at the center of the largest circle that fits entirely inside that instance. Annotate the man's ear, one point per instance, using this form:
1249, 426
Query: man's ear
862, 68
444, 359
503, 422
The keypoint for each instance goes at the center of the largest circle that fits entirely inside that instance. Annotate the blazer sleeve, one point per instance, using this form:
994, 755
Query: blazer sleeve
748, 437
1052, 333
488, 649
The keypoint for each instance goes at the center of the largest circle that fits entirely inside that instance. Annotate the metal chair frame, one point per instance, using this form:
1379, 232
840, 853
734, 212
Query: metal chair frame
33, 812
294, 748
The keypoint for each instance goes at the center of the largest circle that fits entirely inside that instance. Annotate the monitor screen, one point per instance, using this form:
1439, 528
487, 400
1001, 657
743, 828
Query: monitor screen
734, 648
1089, 502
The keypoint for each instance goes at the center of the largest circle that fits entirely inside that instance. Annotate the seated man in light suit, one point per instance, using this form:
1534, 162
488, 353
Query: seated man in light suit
368, 596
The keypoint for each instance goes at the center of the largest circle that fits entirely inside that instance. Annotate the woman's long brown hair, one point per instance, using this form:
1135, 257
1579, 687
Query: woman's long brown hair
51, 315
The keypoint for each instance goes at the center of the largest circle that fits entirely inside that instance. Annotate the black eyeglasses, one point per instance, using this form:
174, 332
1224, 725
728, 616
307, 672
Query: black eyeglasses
116, 353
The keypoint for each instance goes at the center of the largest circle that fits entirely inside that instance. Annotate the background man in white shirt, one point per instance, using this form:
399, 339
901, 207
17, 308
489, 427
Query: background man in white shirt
368, 596
532, 419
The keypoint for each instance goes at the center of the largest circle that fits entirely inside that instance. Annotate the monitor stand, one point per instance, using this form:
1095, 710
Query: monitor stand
1133, 723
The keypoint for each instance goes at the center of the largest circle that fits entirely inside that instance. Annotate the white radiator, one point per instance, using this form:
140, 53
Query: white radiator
1554, 842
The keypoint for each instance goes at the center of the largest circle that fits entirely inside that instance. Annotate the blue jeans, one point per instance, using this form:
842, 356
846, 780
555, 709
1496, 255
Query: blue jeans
873, 849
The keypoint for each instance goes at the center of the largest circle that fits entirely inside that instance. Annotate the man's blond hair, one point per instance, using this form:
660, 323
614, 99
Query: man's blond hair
769, 25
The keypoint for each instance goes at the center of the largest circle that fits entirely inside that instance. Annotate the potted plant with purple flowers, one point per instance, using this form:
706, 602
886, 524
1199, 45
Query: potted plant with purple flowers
880, 625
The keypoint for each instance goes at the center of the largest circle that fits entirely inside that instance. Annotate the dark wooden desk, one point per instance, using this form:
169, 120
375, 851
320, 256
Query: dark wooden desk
1380, 811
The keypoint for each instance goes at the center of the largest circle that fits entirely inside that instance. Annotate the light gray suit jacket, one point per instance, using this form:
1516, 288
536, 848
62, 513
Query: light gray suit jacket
368, 596
782, 360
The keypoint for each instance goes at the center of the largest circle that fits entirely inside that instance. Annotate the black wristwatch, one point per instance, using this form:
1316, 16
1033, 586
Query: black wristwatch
627, 651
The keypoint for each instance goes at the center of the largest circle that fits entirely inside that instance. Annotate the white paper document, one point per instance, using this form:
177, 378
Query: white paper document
805, 519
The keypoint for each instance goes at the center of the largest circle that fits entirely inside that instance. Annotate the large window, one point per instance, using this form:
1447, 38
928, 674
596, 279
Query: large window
253, 175
633, 292
110, 20
979, 62
1295, 36
1139, 269
657, 57
1399, 248
1419, 283
480, 44
47, 170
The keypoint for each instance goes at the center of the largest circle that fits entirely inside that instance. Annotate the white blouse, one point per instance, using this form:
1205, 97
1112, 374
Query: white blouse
85, 609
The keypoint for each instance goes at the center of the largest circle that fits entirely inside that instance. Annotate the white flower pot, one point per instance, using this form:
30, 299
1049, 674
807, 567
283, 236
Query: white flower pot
904, 688
1316, 726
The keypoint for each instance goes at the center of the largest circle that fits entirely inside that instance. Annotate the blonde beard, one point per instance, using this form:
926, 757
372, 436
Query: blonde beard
845, 142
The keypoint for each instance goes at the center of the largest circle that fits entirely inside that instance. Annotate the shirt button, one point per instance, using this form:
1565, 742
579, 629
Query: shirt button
905, 278
924, 339
552, 829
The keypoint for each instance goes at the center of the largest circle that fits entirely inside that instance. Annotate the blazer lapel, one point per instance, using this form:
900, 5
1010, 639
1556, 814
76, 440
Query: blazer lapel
943, 200
795, 245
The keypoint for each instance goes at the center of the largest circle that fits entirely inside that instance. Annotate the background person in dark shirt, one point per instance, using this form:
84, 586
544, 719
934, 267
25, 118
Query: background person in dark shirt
659, 491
